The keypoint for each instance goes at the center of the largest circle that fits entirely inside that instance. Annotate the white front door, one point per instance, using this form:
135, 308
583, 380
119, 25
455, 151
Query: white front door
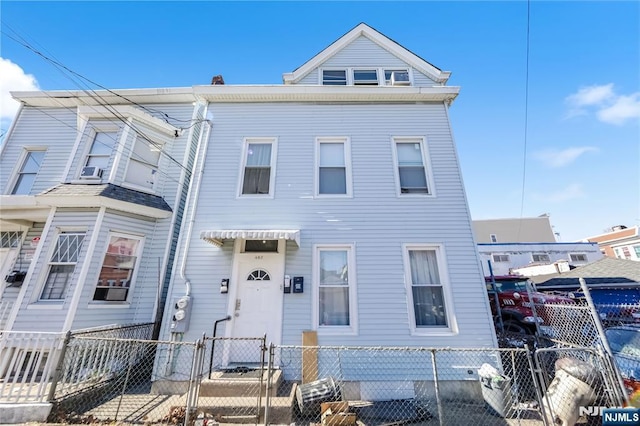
257, 306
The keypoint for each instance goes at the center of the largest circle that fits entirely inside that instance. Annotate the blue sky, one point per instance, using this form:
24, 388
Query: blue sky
583, 150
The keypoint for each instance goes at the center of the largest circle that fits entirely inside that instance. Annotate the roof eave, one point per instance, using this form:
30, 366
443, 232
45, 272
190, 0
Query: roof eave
300, 93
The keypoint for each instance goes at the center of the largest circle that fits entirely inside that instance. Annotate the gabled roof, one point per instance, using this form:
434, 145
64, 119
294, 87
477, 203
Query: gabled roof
383, 41
604, 271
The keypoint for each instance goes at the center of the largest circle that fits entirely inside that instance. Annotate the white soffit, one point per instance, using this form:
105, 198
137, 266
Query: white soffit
217, 236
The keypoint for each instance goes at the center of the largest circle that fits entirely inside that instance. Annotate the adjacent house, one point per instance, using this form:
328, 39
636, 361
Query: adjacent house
514, 230
93, 188
621, 242
535, 258
333, 203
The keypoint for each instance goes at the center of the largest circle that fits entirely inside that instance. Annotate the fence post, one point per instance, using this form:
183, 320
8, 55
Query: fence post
436, 386
537, 381
267, 402
193, 381
621, 394
263, 348
58, 371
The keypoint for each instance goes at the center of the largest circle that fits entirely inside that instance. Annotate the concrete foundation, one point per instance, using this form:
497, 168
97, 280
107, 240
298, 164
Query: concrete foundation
24, 413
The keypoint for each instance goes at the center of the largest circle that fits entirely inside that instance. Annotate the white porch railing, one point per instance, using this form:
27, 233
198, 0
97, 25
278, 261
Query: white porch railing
27, 362
5, 311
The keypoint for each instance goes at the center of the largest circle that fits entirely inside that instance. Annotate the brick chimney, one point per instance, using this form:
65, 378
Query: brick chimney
217, 79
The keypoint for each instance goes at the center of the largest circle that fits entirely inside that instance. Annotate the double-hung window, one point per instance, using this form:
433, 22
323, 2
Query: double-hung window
411, 165
334, 171
336, 280
28, 172
62, 264
101, 148
258, 168
118, 267
143, 163
427, 288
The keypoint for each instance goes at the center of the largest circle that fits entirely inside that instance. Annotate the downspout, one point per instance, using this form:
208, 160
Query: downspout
194, 186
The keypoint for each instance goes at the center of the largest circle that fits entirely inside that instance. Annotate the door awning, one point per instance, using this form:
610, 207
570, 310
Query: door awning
217, 236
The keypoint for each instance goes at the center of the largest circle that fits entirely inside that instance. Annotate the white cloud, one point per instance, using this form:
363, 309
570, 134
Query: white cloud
13, 79
625, 107
562, 157
591, 95
571, 192
609, 107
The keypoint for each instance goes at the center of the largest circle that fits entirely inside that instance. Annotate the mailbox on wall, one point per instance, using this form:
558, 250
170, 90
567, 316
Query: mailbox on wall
298, 284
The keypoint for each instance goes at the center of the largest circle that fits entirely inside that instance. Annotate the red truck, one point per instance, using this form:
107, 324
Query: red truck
514, 308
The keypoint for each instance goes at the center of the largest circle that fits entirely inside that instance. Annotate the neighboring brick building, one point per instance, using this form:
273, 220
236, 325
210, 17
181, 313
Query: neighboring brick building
621, 242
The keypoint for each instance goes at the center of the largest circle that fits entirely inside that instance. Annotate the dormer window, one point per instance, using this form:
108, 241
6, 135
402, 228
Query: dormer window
334, 77
365, 77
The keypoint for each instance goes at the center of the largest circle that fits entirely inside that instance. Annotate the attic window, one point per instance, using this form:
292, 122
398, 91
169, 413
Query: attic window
334, 77
365, 77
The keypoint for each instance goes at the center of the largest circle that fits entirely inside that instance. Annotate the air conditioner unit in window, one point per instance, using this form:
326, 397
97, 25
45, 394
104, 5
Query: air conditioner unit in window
91, 172
400, 78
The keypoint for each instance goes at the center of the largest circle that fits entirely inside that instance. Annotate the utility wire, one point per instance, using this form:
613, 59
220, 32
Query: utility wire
27, 45
526, 118
94, 95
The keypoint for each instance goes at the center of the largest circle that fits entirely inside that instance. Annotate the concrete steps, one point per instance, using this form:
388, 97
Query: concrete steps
241, 398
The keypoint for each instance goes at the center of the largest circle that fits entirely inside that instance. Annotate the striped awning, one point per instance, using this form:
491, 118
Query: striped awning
217, 236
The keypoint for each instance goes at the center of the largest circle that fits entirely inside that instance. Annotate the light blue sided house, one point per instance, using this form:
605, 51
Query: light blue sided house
333, 203
93, 187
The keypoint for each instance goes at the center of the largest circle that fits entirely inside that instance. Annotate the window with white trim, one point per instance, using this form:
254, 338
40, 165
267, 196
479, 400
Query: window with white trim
142, 170
427, 288
336, 280
500, 257
541, 257
62, 264
397, 77
118, 268
365, 77
411, 165
101, 148
28, 172
334, 77
258, 167
333, 166
577, 257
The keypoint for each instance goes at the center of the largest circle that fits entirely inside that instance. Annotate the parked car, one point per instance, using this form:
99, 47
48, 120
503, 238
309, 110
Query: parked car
624, 342
513, 305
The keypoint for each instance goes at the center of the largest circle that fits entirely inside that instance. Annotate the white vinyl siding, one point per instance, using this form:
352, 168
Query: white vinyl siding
28, 172
258, 170
428, 289
333, 166
62, 265
334, 273
413, 175
375, 220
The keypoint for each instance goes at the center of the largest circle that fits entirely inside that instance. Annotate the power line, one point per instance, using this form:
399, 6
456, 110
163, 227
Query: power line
26, 44
526, 117
94, 95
